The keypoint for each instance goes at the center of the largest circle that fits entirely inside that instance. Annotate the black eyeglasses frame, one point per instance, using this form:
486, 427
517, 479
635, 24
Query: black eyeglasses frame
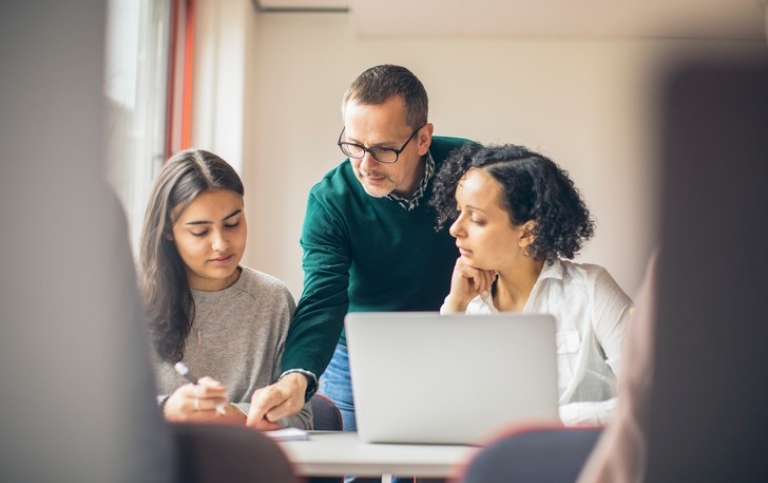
341, 144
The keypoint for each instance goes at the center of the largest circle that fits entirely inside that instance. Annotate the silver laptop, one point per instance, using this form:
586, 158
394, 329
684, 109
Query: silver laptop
422, 377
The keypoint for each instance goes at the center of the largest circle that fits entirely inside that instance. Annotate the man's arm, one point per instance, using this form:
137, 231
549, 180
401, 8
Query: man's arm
319, 316
318, 320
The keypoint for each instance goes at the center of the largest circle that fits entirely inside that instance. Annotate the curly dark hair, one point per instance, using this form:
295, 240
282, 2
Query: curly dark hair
533, 187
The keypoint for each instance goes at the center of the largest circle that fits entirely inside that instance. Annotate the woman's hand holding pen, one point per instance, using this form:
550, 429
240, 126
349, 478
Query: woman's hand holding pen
209, 401
197, 402
467, 283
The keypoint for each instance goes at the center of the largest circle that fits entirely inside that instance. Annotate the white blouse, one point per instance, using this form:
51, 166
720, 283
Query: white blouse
591, 311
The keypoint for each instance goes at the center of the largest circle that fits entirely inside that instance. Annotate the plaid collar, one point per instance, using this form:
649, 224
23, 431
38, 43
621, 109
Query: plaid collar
409, 205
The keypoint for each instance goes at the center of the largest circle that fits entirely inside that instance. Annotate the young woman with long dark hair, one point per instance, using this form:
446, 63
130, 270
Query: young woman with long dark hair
225, 321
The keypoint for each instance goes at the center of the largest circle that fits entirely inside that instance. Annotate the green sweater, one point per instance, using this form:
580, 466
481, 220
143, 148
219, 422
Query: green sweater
365, 254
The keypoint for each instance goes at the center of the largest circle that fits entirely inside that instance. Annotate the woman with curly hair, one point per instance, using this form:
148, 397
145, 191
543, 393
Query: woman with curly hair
518, 221
224, 320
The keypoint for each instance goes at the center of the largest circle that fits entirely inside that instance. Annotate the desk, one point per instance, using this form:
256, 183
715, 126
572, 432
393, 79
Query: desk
331, 453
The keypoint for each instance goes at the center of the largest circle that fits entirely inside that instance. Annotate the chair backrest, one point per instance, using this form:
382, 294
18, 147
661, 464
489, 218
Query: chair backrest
543, 454
325, 415
209, 453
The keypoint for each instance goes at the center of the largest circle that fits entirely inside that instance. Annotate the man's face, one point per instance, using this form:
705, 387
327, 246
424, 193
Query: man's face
384, 125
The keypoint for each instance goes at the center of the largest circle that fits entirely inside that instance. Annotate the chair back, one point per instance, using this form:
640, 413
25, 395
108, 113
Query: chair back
542, 454
209, 453
325, 415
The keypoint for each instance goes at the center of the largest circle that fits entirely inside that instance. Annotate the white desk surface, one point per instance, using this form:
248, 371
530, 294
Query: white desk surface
331, 453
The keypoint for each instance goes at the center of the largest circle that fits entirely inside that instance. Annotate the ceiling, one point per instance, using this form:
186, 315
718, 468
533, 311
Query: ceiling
713, 19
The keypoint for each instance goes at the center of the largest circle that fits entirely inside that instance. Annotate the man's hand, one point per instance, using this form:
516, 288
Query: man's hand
280, 400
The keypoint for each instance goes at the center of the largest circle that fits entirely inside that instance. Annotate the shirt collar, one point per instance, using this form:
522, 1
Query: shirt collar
552, 270
429, 171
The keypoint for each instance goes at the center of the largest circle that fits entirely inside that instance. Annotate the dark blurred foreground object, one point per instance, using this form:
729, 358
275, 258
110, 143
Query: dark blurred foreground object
537, 455
211, 453
708, 418
77, 391
700, 343
704, 417
76, 386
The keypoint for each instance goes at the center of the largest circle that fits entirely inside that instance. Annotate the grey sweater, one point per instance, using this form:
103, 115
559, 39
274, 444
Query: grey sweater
237, 338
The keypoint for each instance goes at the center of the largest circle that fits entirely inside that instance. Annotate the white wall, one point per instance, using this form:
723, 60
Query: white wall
222, 52
587, 104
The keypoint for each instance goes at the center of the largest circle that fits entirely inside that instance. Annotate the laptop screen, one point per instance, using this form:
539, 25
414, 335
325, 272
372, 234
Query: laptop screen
423, 377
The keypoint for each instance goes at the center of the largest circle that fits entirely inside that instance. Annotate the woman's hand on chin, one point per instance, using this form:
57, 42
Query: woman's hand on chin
467, 282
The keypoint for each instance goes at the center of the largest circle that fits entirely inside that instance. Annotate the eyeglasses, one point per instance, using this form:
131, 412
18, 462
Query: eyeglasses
380, 154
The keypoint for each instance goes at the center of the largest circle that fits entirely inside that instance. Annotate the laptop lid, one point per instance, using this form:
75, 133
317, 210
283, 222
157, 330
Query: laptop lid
422, 377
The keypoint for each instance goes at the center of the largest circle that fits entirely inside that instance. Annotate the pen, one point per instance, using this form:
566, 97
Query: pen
184, 372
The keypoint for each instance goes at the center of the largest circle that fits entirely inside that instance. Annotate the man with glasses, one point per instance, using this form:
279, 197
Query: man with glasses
369, 238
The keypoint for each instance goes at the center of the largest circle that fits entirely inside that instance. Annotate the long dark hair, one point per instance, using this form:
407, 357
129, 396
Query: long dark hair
533, 188
163, 279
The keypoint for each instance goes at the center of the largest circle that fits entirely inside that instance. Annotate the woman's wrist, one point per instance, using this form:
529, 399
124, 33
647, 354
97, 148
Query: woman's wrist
452, 305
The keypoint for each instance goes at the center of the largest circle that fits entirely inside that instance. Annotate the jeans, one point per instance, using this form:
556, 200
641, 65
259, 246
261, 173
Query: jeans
337, 385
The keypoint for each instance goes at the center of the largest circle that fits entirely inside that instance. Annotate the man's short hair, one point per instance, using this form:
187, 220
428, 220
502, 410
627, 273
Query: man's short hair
377, 84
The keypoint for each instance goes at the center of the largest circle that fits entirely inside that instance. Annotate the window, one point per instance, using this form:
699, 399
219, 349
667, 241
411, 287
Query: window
136, 86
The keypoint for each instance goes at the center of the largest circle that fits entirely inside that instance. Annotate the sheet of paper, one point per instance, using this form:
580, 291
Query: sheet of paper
288, 434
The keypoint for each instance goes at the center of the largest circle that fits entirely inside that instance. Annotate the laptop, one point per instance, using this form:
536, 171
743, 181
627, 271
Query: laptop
422, 377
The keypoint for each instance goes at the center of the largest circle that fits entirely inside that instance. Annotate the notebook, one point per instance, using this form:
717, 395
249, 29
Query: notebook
422, 377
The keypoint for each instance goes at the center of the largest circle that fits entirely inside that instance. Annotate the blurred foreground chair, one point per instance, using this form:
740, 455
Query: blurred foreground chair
541, 455
209, 453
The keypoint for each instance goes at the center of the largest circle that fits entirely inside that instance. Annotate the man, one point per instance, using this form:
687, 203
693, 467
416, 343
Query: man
368, 238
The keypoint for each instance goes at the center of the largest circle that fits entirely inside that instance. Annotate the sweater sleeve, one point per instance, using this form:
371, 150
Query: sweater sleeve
302, 420
319, 316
